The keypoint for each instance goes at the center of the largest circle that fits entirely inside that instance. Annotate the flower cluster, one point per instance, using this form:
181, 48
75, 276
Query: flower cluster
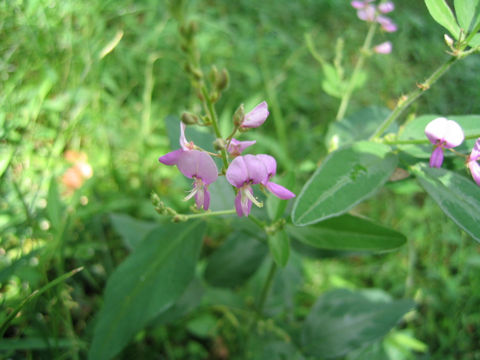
242, 173
447, 134
369, 12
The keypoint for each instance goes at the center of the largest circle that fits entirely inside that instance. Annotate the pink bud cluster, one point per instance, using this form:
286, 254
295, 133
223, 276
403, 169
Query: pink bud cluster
447, 134
368, 11
242, 173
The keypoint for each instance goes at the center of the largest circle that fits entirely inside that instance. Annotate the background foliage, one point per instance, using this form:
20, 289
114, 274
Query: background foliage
102, 77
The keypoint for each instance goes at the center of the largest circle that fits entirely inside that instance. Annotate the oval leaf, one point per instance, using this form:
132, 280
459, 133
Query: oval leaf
235, 261
346, 177
456, 195
342, 321
130, 229
150, 280
347, 232
279, 245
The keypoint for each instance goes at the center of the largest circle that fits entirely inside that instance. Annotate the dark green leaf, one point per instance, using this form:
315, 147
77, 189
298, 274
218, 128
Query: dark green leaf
347, 232
235, 261
356, 127
279, 245
465, 11
456, 195
342, 321
150, 280
345, 178
131, 230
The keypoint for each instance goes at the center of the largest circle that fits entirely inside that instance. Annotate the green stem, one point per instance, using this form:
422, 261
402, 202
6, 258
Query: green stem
407, 100
209, 213
358, 67
213, 116
419, 141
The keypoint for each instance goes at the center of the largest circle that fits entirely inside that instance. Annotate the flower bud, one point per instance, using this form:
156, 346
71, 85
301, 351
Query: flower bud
219, 144
448, 40
223, 79
213, 74
189, 118
239, 115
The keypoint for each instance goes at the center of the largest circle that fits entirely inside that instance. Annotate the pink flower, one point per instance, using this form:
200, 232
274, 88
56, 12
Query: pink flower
360, 4
248, 170
472, 163
442, 133
236, 147
383, 48
256, 117
387, 24
386, 7
194, 164
368, 13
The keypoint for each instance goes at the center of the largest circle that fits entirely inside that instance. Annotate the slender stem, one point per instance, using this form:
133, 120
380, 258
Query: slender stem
256, 221
420, 141
358, 67
407, 100
266, 289
208, 213
214, 118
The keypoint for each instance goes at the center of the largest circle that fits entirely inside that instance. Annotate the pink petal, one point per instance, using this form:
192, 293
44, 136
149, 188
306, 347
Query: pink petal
358, 4
202, 198
475, 171
256, 117
383, 48
279, 191
257, 172
242, 204
206, 199
454, 134
367, 13
171, 158
436, 159
270, 164
195, 163
387, 24
183, 140
386, 7
237, 173
475, 154
236, 147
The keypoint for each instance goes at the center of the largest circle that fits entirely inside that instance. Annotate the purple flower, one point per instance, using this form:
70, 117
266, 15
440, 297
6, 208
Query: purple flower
236, 147
194, 164
360, 4
472, 162
383, 48
387, 24
367, 13
386, 7
248, 170
256, 117
443, 134
271, 167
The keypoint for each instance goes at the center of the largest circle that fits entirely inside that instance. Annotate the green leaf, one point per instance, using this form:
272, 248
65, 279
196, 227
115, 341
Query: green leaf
332, 84
475, 41
357, 126
224, 195
442, 14
236, 260
456, 195
347, 232
342, 321
415, 130
279, 245
465, 11
345, 178
149, 281
131, 230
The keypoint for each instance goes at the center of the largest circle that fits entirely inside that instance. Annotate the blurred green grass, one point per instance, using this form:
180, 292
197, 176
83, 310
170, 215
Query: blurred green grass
60, 90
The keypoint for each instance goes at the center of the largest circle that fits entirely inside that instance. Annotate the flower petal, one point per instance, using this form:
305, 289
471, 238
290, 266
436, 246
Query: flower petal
195, 163
386, 7
367, 13
183, 140
436, 159
435, 130
256, 117
270, 164
383, 48
475, 154
237, 173
257, 172
171, 158
454, 134
236, 147
475, 171
279, 191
